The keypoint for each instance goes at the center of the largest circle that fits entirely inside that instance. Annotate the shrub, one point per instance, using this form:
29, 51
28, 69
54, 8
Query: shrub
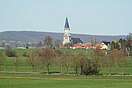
90, 67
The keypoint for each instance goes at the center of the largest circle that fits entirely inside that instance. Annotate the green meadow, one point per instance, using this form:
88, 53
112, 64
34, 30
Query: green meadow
21, 75
61, 83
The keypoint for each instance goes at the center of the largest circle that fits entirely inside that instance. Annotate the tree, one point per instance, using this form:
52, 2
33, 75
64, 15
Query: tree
115, 45
47, 56
66, 61
16, 60
57, 43
115, 58
2, 58
100, 57
76, 60
59, 59
33, 59
129, 44
48, 42
40, 44
123, 43
93, 40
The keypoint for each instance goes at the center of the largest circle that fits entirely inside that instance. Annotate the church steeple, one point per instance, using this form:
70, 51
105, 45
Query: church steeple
67, 35
67, 23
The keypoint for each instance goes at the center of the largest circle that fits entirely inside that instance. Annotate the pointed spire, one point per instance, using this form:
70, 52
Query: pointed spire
67, 23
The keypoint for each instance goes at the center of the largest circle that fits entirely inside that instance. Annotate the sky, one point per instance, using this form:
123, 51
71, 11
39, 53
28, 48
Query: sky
100, 17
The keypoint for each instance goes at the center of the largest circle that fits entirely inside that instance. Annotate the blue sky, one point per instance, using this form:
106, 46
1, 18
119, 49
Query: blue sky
102, 17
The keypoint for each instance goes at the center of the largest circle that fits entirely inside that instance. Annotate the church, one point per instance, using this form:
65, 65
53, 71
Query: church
67, 35
67, 39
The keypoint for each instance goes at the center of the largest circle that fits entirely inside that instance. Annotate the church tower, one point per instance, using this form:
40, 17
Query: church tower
67, 35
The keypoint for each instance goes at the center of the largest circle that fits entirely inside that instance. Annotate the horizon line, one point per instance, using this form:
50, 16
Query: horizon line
71, 33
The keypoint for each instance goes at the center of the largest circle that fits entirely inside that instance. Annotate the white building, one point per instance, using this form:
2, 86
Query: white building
67, 35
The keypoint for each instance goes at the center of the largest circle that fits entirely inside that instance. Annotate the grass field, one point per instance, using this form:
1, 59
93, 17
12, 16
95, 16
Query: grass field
24, 77
59, 83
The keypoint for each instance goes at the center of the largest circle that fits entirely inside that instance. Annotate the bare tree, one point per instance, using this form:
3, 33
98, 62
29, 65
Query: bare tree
57, 43
48, 42
59, 59
76, 62
47, 56
66, 61
16, 62
2, 58
33, 59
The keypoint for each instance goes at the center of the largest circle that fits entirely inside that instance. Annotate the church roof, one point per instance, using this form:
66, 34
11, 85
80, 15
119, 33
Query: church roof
66, 23
76, 40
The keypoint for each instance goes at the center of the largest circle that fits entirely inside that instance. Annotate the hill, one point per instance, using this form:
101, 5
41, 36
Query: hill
39, 36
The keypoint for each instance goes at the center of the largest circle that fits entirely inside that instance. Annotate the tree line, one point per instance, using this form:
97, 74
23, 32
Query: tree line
84, 62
